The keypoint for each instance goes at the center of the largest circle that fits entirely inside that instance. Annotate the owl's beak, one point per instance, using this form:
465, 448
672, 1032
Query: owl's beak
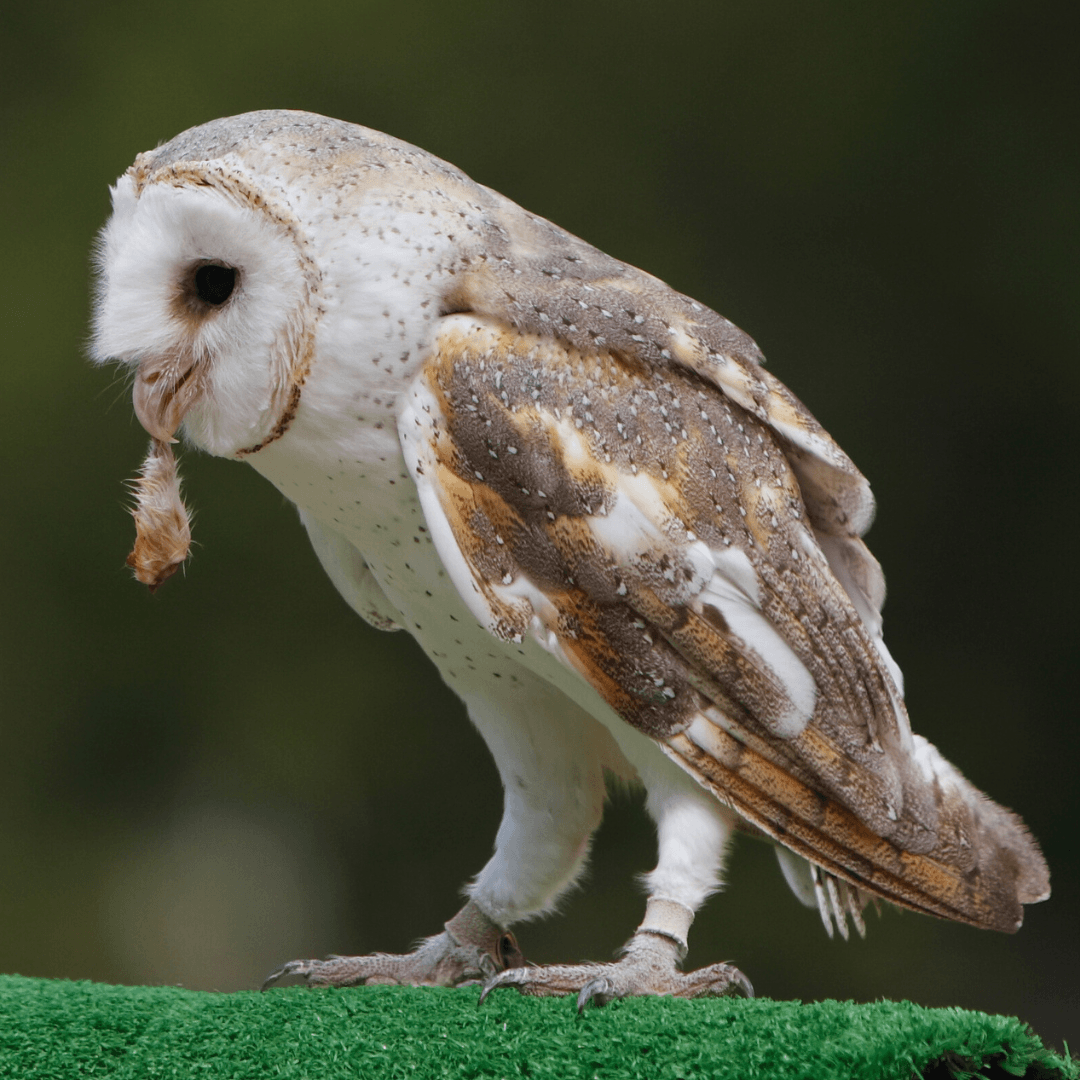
164, 391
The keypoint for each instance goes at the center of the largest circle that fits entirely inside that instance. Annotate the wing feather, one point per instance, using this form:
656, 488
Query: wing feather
536, 278
658, 528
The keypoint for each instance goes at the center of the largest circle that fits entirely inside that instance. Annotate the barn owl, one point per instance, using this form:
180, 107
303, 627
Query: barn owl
621, 541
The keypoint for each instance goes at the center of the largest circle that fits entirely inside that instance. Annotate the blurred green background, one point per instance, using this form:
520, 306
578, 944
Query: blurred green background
197, 785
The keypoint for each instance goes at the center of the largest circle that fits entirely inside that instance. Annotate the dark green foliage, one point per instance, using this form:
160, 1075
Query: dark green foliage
74, 1029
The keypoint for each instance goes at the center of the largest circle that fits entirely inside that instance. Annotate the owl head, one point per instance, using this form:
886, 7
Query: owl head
206, 292
243, 251
243, 248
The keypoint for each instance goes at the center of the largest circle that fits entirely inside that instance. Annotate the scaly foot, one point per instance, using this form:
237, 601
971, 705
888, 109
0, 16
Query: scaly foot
470, 949
649, 966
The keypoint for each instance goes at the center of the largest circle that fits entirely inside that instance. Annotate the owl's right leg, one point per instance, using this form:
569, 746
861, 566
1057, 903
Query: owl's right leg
693, 831
550, 755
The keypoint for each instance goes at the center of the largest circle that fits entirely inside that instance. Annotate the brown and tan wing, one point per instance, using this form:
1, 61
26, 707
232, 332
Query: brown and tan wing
534, 277
654, 533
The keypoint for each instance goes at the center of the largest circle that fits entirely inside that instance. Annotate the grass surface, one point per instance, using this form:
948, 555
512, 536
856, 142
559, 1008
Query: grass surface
75, 1029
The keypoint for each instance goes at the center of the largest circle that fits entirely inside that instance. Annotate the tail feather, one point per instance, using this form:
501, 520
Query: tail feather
988, 891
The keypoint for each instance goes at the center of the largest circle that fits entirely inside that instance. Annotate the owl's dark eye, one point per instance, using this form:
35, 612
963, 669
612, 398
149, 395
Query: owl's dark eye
214, 284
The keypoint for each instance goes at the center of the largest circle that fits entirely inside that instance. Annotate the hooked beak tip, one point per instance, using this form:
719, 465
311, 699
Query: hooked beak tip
160, 404
154, 428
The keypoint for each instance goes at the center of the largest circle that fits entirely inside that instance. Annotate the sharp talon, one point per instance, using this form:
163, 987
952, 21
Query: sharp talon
293, 967
510, 977
492, 984
592, 989
743, 985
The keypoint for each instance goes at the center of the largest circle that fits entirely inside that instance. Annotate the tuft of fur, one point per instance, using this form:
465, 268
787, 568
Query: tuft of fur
162, 524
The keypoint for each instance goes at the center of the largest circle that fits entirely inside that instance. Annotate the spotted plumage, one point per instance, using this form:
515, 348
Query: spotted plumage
622, 541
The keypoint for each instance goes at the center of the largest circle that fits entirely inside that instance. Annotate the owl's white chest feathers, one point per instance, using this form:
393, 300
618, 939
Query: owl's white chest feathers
353, 482
341, 463
340, 460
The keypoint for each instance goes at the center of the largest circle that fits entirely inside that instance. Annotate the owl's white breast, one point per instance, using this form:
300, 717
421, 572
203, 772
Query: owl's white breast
353, 480
383, 274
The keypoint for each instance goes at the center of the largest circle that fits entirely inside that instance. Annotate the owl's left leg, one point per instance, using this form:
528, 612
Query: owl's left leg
693, 830
550, 754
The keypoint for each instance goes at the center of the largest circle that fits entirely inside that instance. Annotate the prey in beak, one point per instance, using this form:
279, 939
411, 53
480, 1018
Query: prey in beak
162, 523
165, 388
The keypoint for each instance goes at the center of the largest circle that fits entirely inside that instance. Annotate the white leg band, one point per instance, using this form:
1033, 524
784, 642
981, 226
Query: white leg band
669, 919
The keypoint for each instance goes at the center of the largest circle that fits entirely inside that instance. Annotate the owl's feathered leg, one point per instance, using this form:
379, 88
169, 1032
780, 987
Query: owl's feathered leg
693, 830
550, 755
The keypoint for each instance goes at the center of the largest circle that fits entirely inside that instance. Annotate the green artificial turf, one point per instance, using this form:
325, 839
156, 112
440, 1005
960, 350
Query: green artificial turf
65, 1030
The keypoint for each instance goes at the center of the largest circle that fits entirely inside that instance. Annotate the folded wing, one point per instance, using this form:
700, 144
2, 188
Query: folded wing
685, 536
